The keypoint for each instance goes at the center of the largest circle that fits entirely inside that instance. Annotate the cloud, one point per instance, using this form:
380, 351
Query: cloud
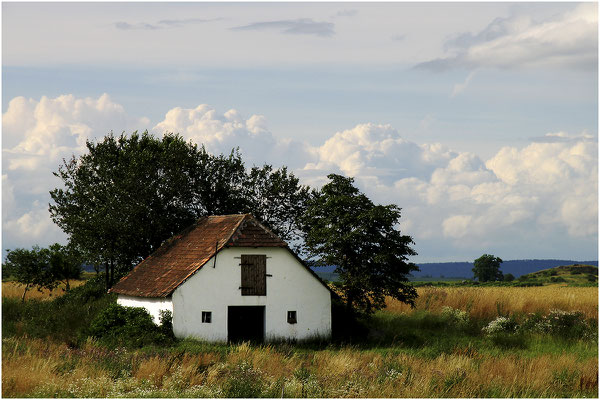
567, 41
561, 137
378, 151
37, 135
530, 201
220, 133
346, 13
162, 24
460, 87
303, 26
398, 38
544, 190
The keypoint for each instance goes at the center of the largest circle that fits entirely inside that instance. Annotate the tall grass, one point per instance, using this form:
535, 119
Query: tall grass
37, 368
489, 302
430, 351
14, 290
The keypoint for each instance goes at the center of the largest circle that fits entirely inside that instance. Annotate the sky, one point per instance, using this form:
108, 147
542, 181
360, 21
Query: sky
479, 120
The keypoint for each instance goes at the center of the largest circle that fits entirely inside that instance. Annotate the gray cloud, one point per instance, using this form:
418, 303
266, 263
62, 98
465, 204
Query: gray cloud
346, 13
562, 137
567, 41
188, 21
303, 26
162, 24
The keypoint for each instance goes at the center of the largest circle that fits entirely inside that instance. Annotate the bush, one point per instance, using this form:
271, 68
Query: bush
508, 277
567, 324
455, 316
93, 289
501, 325
127, 326
64, 319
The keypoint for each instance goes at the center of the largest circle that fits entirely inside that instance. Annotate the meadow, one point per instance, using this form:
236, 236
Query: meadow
442, 348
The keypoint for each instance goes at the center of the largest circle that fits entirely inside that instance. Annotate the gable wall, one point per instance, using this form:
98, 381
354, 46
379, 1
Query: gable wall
291, 288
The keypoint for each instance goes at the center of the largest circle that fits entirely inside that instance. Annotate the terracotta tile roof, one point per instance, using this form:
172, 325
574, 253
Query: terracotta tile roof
185, 253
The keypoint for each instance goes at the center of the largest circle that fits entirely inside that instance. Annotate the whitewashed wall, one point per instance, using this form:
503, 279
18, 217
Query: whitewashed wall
153, 305
291, 288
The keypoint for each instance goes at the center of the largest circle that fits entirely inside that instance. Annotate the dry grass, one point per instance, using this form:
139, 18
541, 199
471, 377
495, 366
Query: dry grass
488, 302
42, 369
15, 290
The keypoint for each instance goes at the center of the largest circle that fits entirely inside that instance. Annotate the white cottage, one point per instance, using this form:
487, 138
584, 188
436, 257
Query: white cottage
226, 278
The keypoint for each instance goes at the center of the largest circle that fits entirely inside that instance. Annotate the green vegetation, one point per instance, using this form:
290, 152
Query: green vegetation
118, 326
487, 268
573, 275
42, 268
345, 228
83, 345
126, 195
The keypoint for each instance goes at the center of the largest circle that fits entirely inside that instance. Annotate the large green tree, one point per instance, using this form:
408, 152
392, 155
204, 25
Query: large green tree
343, 227
127, 194
276, 197
487, 268
122, 198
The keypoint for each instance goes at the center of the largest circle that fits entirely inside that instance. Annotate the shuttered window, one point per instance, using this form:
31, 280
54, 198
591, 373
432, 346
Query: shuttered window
254, 275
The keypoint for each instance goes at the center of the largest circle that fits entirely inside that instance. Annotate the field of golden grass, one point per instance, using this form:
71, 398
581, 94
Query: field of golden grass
489, 302
15, 290
444, 366
37, 368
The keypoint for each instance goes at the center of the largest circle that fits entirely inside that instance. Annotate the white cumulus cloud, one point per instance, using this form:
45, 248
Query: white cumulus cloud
220, 133
36, 136
527, 201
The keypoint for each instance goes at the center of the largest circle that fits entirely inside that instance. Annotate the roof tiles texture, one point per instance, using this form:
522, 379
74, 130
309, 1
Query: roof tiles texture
185, 253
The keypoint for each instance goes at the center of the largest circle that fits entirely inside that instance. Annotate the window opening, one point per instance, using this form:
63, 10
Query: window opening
291, 317
206, 317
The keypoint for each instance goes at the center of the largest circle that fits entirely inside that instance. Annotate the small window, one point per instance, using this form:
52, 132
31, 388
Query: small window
292, 317
206, 317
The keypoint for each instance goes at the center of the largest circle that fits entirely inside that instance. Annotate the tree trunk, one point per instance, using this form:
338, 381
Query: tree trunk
24, 293
67, 286
112, 272
106, 275
350, 303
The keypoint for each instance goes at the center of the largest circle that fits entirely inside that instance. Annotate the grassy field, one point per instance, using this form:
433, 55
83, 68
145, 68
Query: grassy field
438, 349
13, 289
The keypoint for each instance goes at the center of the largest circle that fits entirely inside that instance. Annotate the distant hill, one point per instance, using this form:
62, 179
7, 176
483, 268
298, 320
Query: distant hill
515, 267
576, 274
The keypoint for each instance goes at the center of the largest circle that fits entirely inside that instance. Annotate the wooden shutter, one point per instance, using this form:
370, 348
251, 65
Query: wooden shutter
254, 275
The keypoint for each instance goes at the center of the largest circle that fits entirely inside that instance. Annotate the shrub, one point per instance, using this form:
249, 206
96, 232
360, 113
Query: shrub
564, 323
455, 316
65, 319
166, 323
93, 289
501, 325
127, 326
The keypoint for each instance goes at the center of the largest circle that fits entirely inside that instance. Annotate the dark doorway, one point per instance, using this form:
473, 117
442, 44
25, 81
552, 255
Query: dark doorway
246, 323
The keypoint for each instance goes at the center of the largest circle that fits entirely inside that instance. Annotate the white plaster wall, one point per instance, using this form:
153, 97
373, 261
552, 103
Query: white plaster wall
153, 305
291, 288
